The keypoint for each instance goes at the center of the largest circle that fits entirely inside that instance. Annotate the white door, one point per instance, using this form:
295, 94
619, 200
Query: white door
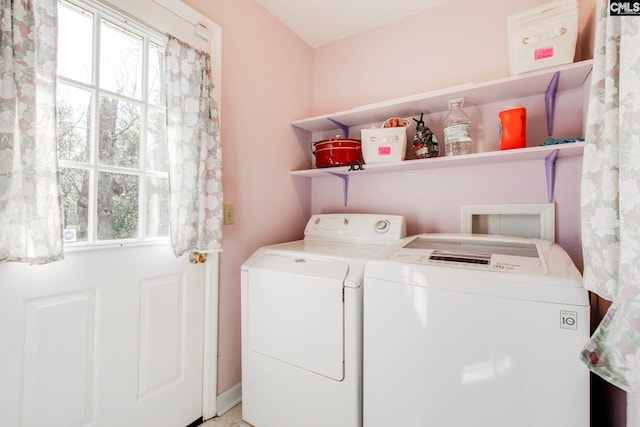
103, 338
111, 337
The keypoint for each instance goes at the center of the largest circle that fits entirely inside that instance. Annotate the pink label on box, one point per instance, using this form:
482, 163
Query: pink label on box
543, 53
384, 151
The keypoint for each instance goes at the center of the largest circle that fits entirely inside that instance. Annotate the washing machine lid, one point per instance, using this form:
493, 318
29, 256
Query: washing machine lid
481, 253
485, 265
296, 311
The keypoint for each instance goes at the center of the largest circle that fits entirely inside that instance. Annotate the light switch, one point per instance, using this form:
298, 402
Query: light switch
229, 215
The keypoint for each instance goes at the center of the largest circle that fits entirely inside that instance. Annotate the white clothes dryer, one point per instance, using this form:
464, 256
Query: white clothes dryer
302, 322
464, 330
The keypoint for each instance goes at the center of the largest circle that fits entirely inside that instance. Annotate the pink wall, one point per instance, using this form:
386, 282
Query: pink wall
457, 42
266, 83
430, 200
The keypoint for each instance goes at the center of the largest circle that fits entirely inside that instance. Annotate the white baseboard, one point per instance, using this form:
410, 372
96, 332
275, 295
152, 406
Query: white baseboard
229, 398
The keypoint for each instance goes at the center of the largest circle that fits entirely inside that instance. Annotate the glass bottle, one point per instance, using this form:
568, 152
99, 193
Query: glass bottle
457, 129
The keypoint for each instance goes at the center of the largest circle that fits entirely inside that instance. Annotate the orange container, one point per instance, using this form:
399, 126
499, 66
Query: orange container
513, 128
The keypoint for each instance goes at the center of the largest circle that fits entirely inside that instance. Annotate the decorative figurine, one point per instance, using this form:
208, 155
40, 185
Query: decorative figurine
425, 143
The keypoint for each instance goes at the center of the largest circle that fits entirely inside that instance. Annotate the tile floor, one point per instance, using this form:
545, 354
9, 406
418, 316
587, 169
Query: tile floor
231, 418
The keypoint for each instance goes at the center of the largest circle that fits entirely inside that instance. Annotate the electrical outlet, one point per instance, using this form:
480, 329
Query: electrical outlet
229, 215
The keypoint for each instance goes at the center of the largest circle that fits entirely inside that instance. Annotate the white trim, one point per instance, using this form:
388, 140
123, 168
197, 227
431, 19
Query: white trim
229, 398
210, 352
546, 212
633, 409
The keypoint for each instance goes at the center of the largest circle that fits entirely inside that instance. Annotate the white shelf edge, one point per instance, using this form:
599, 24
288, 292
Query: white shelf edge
573, 149
518, 86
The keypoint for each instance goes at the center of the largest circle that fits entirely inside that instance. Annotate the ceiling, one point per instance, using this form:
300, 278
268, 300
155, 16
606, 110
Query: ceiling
319, 22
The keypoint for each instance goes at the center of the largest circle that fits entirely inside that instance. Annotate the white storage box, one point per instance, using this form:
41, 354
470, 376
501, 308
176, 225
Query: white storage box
543, 37
384, 144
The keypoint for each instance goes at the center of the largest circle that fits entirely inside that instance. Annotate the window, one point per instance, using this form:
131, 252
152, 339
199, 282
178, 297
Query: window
111, 127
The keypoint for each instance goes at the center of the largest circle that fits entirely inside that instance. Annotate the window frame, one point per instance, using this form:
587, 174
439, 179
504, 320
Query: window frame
92, 165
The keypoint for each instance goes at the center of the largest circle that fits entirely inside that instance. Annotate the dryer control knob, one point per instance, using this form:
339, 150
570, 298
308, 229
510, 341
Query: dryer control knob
382, 226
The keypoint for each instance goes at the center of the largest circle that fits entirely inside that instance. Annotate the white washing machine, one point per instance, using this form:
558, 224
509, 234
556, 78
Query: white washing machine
302, 322
474, 331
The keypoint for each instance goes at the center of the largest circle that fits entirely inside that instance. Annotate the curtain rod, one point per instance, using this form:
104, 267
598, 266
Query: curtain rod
199, 29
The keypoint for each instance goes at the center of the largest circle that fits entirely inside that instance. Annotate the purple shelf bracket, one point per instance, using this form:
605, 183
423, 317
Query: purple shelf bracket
345, 185
550, 101
345, 129
550, 167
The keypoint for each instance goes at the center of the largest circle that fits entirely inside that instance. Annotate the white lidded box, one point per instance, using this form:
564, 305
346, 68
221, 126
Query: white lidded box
543, 37
381, 145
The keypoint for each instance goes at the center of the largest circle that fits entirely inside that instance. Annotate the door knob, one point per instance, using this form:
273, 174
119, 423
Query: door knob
197, 258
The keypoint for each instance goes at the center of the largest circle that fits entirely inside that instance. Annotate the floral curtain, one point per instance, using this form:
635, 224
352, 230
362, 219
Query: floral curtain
30, 200
611, 199
195, 157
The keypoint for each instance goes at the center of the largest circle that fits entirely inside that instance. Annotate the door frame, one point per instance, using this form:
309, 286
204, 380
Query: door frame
210, 356
633, 409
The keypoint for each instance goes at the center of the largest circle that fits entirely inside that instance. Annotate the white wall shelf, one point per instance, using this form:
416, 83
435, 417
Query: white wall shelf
572, 76
573, 149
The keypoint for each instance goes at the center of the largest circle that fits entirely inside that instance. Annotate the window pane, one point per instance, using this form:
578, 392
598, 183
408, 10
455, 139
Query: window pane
156, 75
75, 43
75, 198
120, 61
119, 143
157, 207
117, 206
111, 72
73, 110
157, 141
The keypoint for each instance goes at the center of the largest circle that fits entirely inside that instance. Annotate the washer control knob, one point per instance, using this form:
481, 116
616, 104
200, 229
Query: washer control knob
382, 226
